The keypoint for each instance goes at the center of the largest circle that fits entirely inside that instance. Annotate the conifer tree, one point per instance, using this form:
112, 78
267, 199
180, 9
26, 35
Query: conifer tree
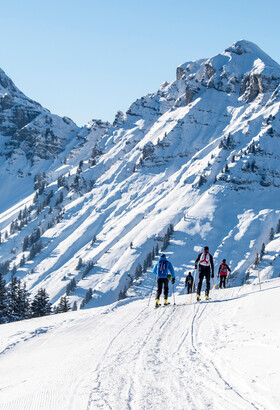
271, 234
64, 305
138, 271
87, 298
156, 249
278, 227
23, 303
71, 286
262, 251
80, 264
40, 305
3, 300
13, 307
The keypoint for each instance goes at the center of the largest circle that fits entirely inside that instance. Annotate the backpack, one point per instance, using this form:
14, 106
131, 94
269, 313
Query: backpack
223, 268
205, 259
162, 267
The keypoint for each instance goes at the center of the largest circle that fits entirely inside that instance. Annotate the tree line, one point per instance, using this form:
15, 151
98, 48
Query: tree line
16, 304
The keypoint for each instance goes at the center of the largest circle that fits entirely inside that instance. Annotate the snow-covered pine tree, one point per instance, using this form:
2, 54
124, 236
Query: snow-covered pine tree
87, 298
64, 305
40, 305
156, 249
80, 264
138, 271
35, 249
17, 301
23, 302
277, 230
271, 234
71, 286
262, 251
3, 300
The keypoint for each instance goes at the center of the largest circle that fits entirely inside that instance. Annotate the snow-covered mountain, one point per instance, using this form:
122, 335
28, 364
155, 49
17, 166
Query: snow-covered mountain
201, 153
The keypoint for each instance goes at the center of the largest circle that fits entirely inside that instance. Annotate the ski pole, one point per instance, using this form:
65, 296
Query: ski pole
257, 259
214, 286
152, 290
195, 271
174, 295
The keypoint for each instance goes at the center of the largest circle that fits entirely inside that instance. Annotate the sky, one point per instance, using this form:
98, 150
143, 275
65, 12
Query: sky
87, 59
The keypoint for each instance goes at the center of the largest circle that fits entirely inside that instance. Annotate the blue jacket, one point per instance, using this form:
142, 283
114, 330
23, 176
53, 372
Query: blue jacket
162, 267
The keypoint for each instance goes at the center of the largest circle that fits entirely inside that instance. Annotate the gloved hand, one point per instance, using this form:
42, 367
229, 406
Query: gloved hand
195, 266
212, 275
173, 280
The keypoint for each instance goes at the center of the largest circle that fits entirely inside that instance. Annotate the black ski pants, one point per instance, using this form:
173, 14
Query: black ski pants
160, 283
203, 272
189, 288
223, 281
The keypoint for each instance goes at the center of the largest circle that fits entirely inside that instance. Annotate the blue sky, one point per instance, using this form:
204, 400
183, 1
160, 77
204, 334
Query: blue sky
88, 59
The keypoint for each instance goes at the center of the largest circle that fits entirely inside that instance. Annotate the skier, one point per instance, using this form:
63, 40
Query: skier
189, 283
223, 273
204, 261
161, 269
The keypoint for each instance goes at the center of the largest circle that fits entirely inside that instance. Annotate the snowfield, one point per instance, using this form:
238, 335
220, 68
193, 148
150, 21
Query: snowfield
221, 354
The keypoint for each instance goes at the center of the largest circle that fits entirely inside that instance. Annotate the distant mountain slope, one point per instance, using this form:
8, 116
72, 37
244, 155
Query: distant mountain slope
201, 153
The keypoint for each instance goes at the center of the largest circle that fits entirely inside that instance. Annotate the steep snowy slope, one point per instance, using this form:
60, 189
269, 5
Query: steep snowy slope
221, 354
202, 154
32, 141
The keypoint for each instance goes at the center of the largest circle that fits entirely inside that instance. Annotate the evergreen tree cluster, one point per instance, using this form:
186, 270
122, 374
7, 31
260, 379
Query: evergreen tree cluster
71, 286
59, 199
63, 305
15, 303
87, 298
40, 182
87, 269
22, 219
167, 236
139, 270
227, 143
29, 240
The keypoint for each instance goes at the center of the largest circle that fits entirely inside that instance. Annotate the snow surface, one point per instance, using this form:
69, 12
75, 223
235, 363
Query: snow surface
221, 354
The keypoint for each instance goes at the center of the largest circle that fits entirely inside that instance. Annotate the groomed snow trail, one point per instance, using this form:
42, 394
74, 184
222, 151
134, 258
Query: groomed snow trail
220, 354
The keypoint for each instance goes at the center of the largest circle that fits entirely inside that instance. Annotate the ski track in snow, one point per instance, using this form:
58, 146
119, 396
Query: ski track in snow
131, 356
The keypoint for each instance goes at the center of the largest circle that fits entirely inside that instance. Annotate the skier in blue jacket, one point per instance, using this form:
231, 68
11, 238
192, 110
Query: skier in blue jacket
161, 269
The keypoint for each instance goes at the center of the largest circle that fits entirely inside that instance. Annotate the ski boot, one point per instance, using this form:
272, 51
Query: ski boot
157, 303
198, 298
165, 302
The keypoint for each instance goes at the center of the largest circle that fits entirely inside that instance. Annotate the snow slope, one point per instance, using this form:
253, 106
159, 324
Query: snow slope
201, 153
221, 354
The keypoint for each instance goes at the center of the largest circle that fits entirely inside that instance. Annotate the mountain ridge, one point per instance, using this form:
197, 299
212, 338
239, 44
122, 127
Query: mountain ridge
200, 153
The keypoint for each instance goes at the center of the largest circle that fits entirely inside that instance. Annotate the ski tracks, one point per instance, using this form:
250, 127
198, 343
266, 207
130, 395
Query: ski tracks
99, 395
229, 396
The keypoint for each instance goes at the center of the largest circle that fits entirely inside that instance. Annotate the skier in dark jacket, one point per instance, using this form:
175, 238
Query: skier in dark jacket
189, 283
205, 265
161, 269
223, 270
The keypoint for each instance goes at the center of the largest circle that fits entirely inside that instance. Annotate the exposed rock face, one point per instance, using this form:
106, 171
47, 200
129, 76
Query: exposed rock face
243, 68
189, 95
26, 125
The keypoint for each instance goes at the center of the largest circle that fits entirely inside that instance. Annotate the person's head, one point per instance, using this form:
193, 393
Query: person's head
206, 249
224, 260
163, 256
190, 273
